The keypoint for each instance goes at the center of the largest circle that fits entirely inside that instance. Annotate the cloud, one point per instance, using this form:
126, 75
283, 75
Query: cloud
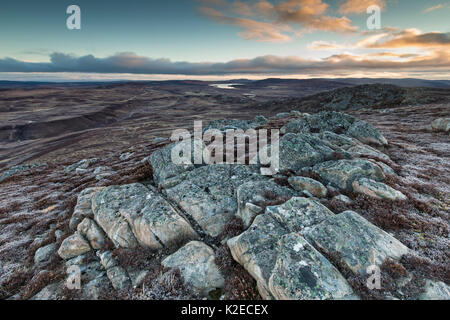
436, 7
263, 21
252, 30
407, 38
324, 45
131, 63
359, 6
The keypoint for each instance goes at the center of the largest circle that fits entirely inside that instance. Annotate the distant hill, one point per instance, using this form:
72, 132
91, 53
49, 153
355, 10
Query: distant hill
249, 84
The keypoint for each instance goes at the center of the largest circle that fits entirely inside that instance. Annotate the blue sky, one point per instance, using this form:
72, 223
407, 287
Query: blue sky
221, 32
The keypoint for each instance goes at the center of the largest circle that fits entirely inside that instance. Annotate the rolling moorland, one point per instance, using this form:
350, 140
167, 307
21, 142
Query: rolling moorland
87, 181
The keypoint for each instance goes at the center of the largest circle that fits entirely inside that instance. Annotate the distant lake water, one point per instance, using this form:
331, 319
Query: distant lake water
225, 85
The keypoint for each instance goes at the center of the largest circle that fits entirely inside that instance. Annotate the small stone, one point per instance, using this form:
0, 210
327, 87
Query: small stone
441, 124
343, 199
73, 246
312, 186
377, 190
198, 269
44, 253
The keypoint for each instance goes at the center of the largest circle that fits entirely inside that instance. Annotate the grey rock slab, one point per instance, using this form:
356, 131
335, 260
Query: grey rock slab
299, 213
44, 253
298, 151
312, 186
256, 194
196, 263
132, 214
342, 173
377, 190
208, 194
164, 166
302, 273
355, 241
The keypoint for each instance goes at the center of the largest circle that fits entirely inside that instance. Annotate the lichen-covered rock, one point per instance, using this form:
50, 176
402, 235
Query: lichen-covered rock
441, 124
49, 292
165, 171
196, 263
435, 290
83, 208
298, 151
342, 198
355, 241
234, 124
336, 122
73, 246
387, 170
342, 173
92, 232
82, 164
252, 196
44, 253
118, 277
299, 213
302, 273
354, 147
312, 186
257, 248
16, 169
365, 133
132, 214
208, 194
377, 190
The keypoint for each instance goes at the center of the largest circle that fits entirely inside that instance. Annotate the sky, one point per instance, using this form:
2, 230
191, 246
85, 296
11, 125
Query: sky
223, 39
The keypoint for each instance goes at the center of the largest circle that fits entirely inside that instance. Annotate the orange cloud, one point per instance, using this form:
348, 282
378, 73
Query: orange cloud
436, 7
359, 6
252, 29
264, 21
324, 45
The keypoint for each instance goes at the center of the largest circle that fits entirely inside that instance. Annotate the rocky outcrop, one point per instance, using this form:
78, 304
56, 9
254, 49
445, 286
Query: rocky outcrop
336, 122
298, 151
284, 265
17, 169
82, 164
198, 269
207, 194
293, 246
233, 124
283, 250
